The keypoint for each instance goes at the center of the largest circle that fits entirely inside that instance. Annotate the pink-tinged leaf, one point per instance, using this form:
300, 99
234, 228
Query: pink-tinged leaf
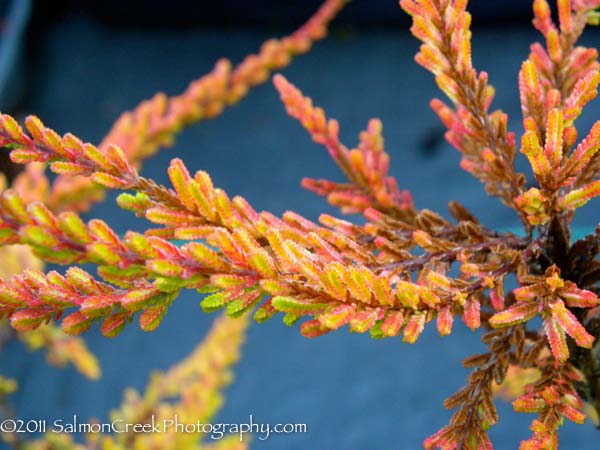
76, 323
164, 268
29, 319
193, 233
228, 215
109, 181
170, 217
38, 236
84, 282
13, 129
274, 287
443, 439
554, 137
337, 317
529, 404
264, 312
72, 225
103, 253
12, 298
202, 199
227, 281
574, 415
556, 339
408, 294
554, 47
67, 168
551, 395
484, 442
530, 78
472, 313
73, 143
445, 319
579, 197
414, 327
22, 156
313, 328
565, 16
357, 282
429, 297
362, 321
332, 280
301, 259
57, 298
14, 205
243, 303
205, 256
578, 298
569, 137
244, 208
585, 90
448, 87
97, 157
530, 147
35, 127
223, 241
432, 59
261, 261
518, 313
529, 293
567, 320
382, 291
180, 178
497, 298
98, 305
151, 317
581, 156
137, 299
114, 324
392, 324
118, 160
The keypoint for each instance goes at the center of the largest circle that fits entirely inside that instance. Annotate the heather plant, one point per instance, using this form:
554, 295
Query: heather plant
192, 389
404, 268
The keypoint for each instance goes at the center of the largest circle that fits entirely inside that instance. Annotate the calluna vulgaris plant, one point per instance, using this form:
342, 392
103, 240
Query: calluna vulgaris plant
401, 270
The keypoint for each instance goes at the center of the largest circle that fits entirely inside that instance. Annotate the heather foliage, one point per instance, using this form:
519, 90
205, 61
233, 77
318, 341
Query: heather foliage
403, 269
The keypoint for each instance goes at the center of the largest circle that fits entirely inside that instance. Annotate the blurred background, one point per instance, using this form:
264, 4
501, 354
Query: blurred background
79, 64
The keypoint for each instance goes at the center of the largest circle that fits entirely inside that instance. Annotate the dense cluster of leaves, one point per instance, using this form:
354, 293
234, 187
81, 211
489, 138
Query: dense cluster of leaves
404, 268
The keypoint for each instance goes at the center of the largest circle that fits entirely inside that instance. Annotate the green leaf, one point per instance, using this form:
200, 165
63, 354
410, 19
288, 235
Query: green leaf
214, 302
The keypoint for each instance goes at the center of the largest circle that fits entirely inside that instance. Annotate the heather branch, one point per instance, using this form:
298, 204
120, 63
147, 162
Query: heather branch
555, 84
510, 241
488, 150
372, 277
475, 401
553, 396
366, 167
202, 206
61, 349
192, 388
301, 265
155, 122
561, 66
